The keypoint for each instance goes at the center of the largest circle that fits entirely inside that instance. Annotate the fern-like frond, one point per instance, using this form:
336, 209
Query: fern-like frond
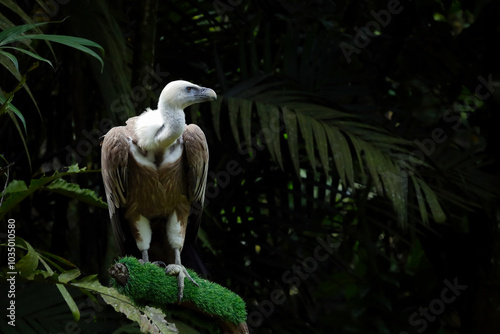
332, 140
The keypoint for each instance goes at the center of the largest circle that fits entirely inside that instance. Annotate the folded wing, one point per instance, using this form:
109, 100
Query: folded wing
196, 153
114, 157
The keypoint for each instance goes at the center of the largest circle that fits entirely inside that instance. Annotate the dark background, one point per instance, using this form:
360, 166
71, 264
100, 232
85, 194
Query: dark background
418, 78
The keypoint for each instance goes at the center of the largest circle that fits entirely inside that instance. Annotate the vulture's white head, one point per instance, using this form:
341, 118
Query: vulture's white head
181, 94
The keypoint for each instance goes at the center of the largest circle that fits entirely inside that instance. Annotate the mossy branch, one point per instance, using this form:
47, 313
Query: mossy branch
209, 306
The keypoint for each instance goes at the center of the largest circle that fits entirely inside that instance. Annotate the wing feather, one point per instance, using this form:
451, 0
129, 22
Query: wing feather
196, 153
114, 160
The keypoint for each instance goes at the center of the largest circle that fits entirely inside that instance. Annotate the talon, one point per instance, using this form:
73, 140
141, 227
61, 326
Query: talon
180, 287
181, 272
191, 279
160, 264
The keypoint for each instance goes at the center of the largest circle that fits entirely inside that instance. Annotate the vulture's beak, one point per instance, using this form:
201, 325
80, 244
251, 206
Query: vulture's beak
207, 94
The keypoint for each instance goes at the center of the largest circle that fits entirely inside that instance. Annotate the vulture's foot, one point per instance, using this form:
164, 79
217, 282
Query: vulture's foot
181, 272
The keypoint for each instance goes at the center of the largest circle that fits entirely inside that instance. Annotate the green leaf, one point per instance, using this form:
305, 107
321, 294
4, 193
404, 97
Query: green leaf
358, 148
16, 111
290, 120
73, 190
10, 107
321, 144
11, 34
16, 186
71, 41
20, 134
29, 53
91, 283
148, 316
70, 301
269, 121
305, 124
12, 58
21, 78
13, 198
395, 183
69, 275
374, 160
149, 319
341, 155
76, 169
27, 265
432, 201
12, 67
275, 135
420, 200
19, 29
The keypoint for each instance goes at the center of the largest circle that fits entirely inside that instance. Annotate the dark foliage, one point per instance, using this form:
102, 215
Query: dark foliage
347, 131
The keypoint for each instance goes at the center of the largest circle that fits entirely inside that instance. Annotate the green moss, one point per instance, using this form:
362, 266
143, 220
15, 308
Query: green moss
149, 285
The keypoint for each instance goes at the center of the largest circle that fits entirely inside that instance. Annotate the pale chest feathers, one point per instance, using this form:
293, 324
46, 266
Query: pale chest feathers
172, 153
158, 138
159, 158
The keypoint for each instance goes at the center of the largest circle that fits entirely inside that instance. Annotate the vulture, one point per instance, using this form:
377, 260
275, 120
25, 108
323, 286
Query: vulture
154, 171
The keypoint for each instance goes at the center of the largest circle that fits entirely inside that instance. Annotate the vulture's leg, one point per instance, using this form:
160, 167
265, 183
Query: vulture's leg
181, 272
175, 236
142, 236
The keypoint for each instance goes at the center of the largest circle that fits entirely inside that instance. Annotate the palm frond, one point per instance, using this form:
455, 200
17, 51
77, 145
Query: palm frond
332, 140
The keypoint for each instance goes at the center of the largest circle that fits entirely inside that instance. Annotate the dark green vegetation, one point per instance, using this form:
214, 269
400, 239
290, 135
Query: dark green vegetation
353, 183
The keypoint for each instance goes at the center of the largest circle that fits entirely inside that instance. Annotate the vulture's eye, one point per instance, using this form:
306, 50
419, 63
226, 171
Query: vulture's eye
189, 89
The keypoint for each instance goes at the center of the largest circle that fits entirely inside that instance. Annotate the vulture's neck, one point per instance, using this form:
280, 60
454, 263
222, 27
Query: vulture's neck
158, 129
174, 123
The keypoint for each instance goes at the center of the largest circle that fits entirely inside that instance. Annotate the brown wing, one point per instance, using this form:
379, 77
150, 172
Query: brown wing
196, 153
114, 160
